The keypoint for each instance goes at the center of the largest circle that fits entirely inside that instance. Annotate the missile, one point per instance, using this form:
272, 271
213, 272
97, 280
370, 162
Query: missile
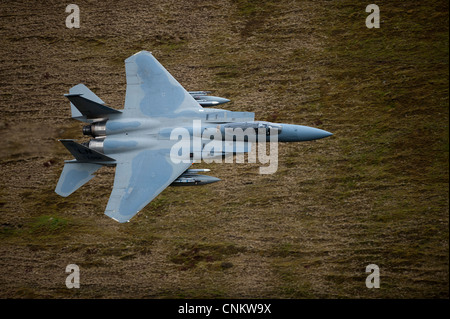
194, 180
196, 170
190, 177
206, 100
199, 92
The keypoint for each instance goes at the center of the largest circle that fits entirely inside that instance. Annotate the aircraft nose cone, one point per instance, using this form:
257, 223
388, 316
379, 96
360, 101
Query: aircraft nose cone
299, 133
312, 133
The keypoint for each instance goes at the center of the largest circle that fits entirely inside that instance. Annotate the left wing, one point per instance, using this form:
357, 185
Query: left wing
152, 91
139, 180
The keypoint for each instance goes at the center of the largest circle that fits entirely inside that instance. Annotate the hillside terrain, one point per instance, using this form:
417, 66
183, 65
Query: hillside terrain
376, 192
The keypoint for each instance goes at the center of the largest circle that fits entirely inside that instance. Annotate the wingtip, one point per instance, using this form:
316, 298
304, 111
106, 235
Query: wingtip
114, 216
142, 52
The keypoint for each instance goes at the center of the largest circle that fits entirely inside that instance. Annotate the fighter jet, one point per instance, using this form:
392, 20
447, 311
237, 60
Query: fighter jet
138, 140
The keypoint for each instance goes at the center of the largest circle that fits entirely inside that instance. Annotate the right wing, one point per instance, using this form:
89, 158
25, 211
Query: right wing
139, 180
152, 91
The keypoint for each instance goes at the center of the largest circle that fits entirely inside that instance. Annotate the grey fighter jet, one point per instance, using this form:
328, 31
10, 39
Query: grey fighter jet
138, 140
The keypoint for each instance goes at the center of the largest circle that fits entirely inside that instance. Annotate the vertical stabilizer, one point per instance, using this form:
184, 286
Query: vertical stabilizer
85, 106
88, 94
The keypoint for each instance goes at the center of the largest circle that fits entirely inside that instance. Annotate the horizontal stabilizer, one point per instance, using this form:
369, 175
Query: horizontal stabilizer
75, 175
89, 108
84, 154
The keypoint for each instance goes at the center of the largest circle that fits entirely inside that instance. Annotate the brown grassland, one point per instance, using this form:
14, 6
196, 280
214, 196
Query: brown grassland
374, 193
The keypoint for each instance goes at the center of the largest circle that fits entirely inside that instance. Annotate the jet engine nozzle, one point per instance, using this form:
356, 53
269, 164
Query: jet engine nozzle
87, 130
95, 144
95, 129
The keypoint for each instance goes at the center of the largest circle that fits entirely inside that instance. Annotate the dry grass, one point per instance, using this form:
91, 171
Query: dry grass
375, 192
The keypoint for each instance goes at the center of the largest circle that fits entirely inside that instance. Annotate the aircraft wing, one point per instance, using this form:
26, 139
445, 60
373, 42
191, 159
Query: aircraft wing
152, 91
138, 180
